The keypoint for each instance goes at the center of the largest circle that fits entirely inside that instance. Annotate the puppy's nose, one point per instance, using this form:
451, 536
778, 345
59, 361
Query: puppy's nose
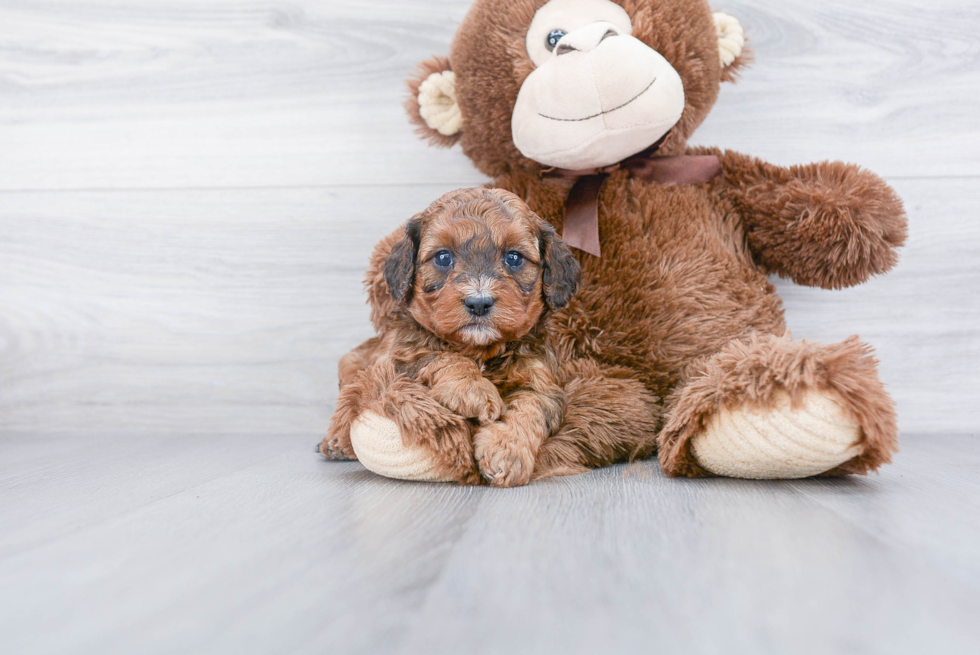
479, 305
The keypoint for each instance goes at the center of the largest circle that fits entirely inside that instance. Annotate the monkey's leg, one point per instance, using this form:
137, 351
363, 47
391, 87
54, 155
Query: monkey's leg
769, 407
397, 429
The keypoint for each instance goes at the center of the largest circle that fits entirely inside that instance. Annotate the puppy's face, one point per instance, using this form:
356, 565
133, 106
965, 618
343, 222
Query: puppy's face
478, 268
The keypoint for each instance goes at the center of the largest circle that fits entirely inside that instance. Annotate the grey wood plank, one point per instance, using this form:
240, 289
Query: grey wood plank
296, 555
244, 92
63, 484
632, 562
865, 82
928, 505
225, 311
190, 311
250, 562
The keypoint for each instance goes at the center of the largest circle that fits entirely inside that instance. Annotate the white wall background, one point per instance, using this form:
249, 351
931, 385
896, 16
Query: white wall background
189, 190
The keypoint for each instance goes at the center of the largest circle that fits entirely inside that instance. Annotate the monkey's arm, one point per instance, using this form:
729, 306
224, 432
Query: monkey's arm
829, 224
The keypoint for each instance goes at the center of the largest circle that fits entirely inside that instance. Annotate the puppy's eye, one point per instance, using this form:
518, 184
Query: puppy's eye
443, 260
553, 38
514, 259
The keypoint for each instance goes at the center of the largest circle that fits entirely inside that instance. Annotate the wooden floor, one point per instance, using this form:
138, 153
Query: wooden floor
251, 544
189, 190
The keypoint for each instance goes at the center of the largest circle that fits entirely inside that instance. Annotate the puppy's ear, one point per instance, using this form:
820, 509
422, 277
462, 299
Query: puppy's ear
561, 272
400, 263
431, 103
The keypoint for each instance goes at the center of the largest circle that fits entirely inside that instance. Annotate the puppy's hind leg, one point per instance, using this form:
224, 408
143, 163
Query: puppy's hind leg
357, 360
337, 445
607, 420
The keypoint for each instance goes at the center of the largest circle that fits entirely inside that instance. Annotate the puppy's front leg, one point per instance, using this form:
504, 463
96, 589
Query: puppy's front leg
458, 385
506, 451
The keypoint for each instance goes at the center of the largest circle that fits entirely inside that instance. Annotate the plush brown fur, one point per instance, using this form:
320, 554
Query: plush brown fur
753, 369
679, 300
438, 368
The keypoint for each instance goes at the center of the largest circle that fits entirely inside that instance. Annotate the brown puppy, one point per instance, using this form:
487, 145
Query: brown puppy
474, 280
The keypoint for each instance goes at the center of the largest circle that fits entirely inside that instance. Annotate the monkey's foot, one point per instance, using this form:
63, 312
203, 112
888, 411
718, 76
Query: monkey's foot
379, 447
780, 442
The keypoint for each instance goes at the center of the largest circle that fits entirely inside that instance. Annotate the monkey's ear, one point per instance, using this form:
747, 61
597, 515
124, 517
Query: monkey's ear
562, 273
400, 263
731, 46
431, 103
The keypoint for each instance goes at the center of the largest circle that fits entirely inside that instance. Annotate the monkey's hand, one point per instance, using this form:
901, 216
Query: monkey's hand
829, 225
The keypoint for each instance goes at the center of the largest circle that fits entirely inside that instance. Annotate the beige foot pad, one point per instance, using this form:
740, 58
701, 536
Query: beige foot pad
378, 445
780, 442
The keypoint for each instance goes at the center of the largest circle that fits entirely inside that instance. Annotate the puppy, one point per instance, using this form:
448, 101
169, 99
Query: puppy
466, 363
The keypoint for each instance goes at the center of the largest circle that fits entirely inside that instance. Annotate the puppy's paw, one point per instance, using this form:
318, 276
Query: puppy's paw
502, 457
477, 399
331, 448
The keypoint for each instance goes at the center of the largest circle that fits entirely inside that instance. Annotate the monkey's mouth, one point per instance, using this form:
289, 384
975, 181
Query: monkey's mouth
601, 113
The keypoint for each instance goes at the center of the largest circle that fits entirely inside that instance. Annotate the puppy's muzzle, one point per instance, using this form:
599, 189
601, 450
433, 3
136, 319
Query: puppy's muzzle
479, 305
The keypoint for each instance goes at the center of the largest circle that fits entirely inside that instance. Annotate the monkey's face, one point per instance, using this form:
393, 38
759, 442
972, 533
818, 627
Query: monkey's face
575, 84
479, 268
597, 95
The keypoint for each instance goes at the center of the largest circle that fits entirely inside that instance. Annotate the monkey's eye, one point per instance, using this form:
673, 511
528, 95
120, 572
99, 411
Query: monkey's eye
553, 38
443, 260
514, 259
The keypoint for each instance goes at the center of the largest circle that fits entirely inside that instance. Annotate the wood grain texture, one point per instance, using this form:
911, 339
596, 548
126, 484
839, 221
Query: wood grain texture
204, 93
292, 554
191, 311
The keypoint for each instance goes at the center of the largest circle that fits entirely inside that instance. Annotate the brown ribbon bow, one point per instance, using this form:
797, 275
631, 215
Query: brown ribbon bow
582, 205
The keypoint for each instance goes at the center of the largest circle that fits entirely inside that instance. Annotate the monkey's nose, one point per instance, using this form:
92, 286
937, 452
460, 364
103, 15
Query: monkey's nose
586, 39
479, 305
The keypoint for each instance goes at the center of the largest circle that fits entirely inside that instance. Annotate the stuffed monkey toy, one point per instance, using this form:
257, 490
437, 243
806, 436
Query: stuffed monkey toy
583, 109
